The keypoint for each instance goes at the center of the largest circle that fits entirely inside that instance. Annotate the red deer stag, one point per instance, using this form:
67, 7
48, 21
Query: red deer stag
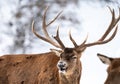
113, 69
56, 67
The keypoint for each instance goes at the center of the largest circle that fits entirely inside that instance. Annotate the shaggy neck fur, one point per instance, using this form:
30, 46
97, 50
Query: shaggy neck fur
70, 77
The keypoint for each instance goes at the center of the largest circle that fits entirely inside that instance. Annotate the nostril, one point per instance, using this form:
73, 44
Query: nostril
61, 64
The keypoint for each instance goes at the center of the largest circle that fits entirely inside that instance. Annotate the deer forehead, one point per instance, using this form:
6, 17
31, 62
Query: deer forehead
67, 52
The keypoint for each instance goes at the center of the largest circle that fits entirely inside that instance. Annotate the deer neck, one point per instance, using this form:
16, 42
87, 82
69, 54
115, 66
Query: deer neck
70, 77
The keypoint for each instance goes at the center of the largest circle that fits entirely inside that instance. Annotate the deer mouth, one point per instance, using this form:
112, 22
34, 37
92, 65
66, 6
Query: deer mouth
62, 69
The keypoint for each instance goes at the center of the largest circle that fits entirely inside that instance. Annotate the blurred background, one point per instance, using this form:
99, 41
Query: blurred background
82, 17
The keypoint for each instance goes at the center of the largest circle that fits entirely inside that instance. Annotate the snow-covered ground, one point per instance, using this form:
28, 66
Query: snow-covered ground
94, 22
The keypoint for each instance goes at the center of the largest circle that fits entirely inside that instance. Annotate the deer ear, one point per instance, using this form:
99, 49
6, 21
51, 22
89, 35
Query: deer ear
105, 59
57, 52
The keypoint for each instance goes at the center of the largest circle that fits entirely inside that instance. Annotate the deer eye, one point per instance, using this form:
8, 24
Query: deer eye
74, 57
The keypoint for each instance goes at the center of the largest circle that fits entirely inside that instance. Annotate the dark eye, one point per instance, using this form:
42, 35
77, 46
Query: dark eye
74, 57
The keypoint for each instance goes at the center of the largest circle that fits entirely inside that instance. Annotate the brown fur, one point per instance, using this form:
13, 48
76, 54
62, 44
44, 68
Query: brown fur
74, 67
37, 69
114, 72
29, 69
113, 69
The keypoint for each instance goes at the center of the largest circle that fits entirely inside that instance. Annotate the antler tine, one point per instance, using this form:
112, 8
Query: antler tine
73, 41
119, 16
33, 30
112, 25
44, 27
57, 38
84, 41
111, 37
101, 42
54, 18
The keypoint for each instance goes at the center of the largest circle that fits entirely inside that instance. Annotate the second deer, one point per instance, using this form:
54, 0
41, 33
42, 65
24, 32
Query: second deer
113, 69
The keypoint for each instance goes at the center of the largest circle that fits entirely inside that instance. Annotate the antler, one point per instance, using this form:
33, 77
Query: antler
83, 45
73, 41
58, 39
112, 25
47, 37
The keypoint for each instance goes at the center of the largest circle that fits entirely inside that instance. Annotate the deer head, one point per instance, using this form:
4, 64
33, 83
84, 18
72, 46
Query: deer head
113, 69
69, 62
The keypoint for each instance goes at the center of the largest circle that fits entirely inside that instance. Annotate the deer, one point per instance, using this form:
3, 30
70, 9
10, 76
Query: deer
113, 69
59, 66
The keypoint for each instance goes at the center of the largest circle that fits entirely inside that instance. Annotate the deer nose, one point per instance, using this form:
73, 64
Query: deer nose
61, 64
